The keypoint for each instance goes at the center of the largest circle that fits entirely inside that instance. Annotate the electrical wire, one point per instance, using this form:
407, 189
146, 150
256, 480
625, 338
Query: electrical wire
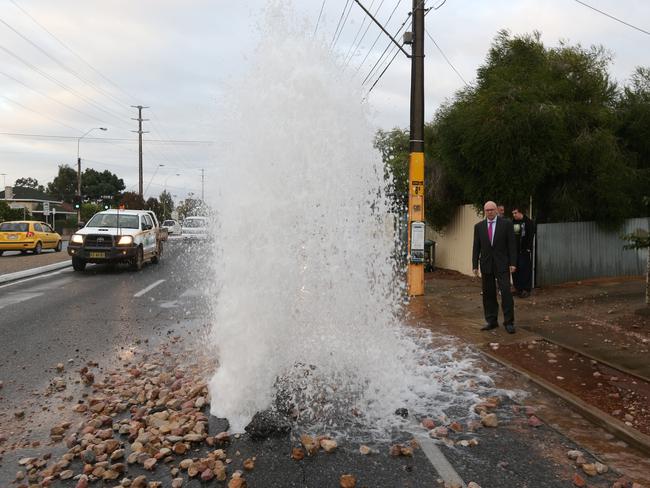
344, 22
446, 58
105, 139
347, 2
358, 44
378, 36
382, 73
363, 23
319, 16
613, 18
52, 119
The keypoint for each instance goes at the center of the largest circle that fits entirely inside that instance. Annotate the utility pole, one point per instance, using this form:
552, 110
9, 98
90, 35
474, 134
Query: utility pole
202, 185
415, 273
140, 132
416, 224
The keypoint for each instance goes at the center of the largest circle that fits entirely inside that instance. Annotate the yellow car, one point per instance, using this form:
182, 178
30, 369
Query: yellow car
26, 235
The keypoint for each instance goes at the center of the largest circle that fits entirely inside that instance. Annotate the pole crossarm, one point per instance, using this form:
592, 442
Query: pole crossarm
399, 46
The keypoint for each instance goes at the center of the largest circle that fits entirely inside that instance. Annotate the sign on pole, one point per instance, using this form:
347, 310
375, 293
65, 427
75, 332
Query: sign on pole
46, 209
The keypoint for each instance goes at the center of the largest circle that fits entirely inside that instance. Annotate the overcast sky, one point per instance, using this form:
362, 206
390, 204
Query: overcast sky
88, 61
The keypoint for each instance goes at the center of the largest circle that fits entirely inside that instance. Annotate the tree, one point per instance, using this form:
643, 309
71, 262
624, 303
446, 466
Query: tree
64, 185
641, 240
153, 204
89, 209
7, 213
190, 206
167, 203
131, 200
540, 122
29, 183
95, 185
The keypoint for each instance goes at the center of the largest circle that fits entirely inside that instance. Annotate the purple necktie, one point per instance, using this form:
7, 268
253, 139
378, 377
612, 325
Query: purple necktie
490, 222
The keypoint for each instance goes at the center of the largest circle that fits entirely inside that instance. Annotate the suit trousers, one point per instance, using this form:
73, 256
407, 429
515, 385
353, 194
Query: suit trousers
490, 304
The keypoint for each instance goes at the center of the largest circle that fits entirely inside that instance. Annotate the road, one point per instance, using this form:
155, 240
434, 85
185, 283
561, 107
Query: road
108, 314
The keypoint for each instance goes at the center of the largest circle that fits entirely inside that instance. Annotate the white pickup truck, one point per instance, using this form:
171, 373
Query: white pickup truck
114, 236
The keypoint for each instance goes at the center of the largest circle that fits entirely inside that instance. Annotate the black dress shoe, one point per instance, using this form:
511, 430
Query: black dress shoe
510, 328
489, 326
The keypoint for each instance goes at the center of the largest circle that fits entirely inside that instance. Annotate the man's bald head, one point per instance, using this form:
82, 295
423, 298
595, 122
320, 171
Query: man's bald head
490, 209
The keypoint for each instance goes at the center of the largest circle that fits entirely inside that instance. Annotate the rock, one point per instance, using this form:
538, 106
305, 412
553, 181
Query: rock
439, 432
67, 474
310, 444
19, 414
578, 480
490, 420
82, 482
456, 427
149, 464
533, 421
365, 450
590, 469
110, 475
237, 483
267, 424
88, 456
574, 454
222, 437
428, 423
297, 454
207, 475
139, 482
395, 450
601, 468
177, 482
193, 437
192, 471
471, 484
402, 412
328, 445
180, 448
185, 463
347, 481
117, 454
249, 464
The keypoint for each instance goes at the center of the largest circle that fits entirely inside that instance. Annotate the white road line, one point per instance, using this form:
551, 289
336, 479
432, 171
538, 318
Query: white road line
438, 460
150, 287
45, 275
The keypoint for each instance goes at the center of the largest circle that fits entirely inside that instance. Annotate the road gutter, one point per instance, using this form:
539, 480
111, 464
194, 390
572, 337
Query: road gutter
612, 425
27, 273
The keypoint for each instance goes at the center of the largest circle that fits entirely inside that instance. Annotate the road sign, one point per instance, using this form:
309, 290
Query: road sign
46, 208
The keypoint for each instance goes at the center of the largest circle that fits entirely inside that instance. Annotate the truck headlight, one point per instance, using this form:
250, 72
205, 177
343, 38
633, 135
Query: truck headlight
125, 241
77, 239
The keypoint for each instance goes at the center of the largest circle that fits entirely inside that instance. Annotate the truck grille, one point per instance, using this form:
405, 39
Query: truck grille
98, 241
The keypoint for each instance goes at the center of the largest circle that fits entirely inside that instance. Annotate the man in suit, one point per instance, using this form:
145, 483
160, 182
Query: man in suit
495, 248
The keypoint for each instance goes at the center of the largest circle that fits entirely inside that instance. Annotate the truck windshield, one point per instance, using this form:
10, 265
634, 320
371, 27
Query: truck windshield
110, 220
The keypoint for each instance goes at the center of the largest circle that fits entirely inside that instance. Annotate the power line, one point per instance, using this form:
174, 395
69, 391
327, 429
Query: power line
339, 24
105, 139
68, 48
52, 119
446, 58
319, 16
382, 73
378, 36
354, 46
343, 26
59, 63
613, 18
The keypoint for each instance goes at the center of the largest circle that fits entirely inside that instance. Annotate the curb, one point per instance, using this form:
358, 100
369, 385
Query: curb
614, 426
18, 275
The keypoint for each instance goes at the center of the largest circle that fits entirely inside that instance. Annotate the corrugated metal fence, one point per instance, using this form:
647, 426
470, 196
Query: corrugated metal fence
575, 251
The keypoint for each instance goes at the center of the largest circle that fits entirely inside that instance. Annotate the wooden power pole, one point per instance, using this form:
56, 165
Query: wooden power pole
140, 132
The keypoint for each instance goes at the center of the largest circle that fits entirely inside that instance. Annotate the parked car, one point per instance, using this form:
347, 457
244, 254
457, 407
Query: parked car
195, 228
172, 226
115, 236
27, 235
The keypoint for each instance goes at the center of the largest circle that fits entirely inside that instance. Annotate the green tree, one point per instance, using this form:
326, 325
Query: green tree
153, 204
131, 200
89, 209
167, 203
7, 213
95, 185
190, 206
539, 121
29, 182
64, 185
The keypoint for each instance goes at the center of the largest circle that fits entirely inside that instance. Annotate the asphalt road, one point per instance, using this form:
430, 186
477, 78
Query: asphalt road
105, 313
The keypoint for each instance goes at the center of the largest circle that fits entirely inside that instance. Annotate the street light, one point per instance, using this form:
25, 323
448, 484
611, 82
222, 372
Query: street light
79, 169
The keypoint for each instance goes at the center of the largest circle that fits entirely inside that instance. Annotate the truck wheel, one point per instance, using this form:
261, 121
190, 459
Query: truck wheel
159, 253
78, 264
138, 260
38, 248
58, 246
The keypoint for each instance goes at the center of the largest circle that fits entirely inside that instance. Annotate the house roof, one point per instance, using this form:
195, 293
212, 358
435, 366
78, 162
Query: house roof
23, 193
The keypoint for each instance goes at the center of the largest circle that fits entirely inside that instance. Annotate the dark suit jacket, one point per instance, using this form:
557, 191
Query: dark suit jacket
495, 257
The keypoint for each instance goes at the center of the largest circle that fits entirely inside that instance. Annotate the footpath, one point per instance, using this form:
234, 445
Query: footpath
587, 343
14, 266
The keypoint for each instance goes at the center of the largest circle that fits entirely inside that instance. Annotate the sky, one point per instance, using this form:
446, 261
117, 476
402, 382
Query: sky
69, 67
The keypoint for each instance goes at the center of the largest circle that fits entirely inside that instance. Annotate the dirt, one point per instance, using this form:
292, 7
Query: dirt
618, 394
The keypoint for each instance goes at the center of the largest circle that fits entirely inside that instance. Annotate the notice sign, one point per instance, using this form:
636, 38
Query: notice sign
46, 208
417, 242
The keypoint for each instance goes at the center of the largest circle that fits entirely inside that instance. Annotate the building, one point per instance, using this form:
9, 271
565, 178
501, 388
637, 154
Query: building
32, 201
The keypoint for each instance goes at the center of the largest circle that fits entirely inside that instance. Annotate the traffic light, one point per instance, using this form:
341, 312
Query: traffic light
107, 205
77, 202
